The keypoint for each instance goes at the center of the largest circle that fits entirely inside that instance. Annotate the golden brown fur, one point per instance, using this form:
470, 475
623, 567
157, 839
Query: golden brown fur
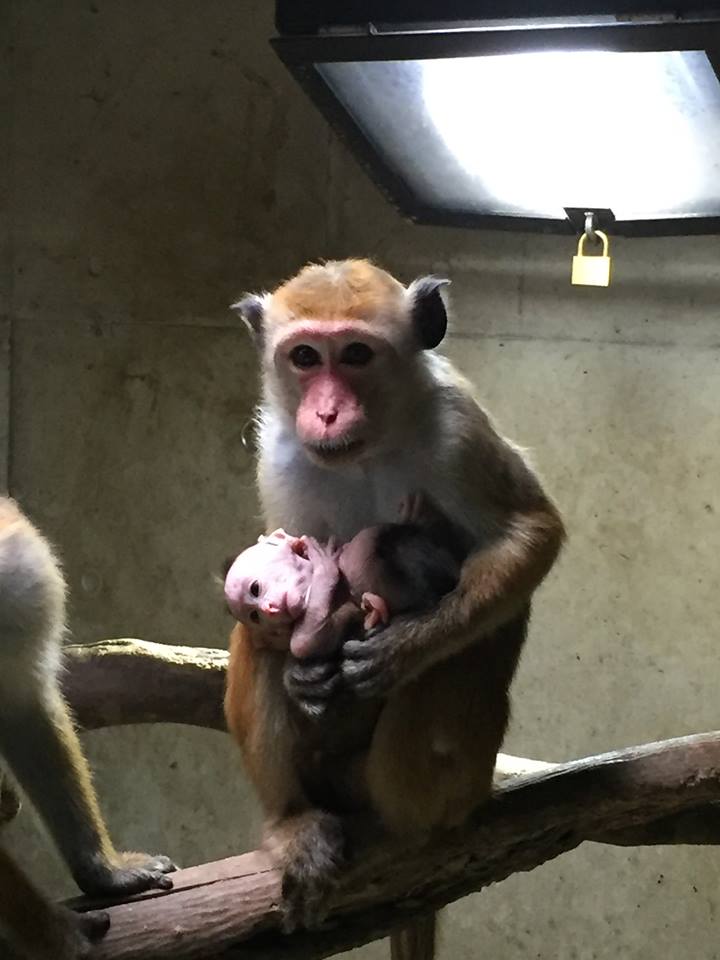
337, 290
425, 701
39, 743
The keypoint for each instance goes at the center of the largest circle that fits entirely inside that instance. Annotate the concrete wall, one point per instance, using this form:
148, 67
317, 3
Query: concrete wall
160, 162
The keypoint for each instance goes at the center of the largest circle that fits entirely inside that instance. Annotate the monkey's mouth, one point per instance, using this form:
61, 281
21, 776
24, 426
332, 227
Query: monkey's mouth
333, 451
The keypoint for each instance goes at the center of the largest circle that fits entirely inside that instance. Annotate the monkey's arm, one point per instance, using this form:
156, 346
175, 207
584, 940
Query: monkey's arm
496, 583
311, 682
318, 633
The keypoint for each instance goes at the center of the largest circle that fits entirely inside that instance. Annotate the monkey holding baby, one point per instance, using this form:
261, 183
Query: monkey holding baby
293, 593
403, 721
39, 743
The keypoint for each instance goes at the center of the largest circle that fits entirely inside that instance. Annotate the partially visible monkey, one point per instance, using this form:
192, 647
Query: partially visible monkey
356, 413
294, 593
39, 742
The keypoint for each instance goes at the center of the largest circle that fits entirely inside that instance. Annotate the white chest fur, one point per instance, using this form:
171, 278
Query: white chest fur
303, 497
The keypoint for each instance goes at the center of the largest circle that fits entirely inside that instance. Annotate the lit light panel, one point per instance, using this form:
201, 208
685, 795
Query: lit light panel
528, 134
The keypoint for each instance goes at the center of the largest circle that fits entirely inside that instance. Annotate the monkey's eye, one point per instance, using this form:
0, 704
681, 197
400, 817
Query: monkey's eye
255, 589
304, 356
357, 355
255, 616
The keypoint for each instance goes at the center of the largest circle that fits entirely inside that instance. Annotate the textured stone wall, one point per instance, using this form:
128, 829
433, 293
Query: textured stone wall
160, 162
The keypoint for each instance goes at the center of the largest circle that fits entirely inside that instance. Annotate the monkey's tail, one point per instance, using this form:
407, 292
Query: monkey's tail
415, 942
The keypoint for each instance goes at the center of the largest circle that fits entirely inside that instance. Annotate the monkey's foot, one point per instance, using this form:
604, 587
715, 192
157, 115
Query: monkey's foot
61, 934
129, 873
311, 683
312, 873
89, 928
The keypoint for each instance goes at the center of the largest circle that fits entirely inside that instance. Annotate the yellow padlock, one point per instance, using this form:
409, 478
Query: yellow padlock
591, 271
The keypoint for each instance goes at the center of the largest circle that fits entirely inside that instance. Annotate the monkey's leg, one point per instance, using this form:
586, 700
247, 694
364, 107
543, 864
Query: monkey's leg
307, 844
38, 929
432, 758
433, 753
39, 742
309, 848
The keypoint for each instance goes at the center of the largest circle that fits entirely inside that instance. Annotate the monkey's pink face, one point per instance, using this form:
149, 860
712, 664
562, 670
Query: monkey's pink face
267, 585
336, 372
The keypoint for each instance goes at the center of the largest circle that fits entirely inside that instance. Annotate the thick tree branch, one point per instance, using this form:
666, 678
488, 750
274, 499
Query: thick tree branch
531, 819
116, 682
659, 793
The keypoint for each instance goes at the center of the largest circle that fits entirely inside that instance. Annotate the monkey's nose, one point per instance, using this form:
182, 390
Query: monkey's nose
327, 418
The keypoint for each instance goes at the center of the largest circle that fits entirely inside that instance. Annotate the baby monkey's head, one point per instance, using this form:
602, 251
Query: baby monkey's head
266, 587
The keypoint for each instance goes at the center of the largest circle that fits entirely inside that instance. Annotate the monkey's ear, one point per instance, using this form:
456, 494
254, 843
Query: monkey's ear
251, 310
428, 310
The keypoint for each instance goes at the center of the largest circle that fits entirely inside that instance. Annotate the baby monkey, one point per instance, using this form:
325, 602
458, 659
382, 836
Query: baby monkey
295, 593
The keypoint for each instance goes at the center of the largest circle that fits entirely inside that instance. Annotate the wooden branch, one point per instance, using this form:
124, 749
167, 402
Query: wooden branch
659, 793
531, 819
116, 682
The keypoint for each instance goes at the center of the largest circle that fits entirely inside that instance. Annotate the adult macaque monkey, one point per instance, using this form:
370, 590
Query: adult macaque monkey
356, 413
39, 743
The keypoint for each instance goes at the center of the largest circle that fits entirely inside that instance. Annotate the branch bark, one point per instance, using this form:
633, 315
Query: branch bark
126, 681
531, 819
658, 793
113, 683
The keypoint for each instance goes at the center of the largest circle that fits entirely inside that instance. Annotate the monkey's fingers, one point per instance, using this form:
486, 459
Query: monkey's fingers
311, 683
302, 907
313, 709
133, 873
370, 667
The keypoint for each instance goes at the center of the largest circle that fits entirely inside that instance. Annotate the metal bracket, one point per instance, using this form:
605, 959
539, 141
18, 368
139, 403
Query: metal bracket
589, 219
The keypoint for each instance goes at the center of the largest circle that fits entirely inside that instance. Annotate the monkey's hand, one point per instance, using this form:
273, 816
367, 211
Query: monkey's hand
391, 655
125, 874
496, 583
311, 683
375, 665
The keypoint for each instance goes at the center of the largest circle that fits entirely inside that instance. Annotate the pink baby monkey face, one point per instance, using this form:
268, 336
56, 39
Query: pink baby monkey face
267, 585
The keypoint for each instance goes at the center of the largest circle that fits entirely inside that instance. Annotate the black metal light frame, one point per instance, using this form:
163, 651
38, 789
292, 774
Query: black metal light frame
340, 42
